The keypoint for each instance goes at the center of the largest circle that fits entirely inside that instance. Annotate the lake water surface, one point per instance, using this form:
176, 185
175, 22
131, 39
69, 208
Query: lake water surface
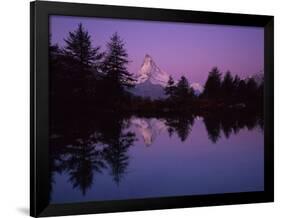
140, 157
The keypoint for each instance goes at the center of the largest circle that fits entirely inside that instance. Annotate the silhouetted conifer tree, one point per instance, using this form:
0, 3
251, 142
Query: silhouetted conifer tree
241, 91
82, 60
251, 91
227, 86
79, 47
170, 88
183, 93
236, 82
115, 67
213, 84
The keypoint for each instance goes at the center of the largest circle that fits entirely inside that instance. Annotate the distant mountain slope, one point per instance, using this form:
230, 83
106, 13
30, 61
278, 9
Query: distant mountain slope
147, 89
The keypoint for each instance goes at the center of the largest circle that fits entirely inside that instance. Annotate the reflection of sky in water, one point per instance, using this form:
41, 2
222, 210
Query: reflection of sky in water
163, 165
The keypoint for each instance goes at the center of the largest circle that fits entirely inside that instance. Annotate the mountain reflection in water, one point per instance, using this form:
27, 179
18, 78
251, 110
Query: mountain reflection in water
113, 158
148, 128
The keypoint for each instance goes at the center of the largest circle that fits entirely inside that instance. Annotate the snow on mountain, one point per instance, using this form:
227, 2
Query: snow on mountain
147, 89
258, 77
197, 87
148, 129
150, 71
150, 80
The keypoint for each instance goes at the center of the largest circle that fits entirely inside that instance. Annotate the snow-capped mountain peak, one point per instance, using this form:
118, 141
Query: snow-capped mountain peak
258, 77
150, 80
149, 71
197, 87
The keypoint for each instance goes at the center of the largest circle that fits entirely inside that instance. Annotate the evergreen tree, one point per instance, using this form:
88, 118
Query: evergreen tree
182, 93
236, 82
213, 84
241, 91
54, 54
170, 88
115, 66
192, 93
82, 62
227, 86
79, 47
251, 90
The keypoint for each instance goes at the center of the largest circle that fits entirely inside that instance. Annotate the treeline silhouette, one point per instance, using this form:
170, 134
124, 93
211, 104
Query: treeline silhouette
223, 92
83, 74
231, 89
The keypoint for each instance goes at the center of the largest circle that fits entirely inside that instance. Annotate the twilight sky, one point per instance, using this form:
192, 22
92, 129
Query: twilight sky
177, 48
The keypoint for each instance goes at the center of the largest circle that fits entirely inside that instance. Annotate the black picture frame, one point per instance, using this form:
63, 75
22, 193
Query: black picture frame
39, 107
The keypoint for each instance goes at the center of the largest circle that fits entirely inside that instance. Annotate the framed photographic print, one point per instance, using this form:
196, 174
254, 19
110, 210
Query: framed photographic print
140, 109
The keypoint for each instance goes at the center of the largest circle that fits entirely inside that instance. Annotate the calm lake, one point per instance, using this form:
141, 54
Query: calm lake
143, 157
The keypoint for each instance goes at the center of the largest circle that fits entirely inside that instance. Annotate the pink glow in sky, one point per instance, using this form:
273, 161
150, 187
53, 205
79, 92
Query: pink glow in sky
177, 48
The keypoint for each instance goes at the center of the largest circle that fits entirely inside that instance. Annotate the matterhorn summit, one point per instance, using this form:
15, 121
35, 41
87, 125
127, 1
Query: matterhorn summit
149, 71
150, 81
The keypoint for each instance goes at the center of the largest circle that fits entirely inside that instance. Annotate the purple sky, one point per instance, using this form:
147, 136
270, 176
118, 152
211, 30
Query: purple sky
177, 48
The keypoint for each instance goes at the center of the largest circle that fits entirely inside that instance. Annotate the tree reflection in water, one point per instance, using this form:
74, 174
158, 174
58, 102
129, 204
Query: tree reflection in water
230, 122
83, 148
181, 125
100, 142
